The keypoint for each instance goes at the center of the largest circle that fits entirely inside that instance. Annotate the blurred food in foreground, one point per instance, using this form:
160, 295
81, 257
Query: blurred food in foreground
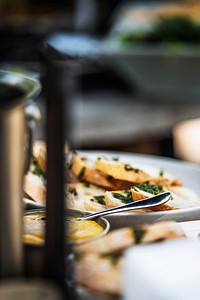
107, 253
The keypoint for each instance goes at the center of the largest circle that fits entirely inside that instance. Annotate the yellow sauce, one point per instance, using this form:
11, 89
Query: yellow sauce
80, 230
34, 229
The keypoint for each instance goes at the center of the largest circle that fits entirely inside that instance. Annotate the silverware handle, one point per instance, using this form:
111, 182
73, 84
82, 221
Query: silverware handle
147, 202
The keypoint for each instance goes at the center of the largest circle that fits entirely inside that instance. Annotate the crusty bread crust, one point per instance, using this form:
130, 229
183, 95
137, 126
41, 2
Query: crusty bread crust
167, 182
40, 153
139, 195
121, 171
81, 168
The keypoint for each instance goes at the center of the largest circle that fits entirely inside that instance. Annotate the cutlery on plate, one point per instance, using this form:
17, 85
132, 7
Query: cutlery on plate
145, 203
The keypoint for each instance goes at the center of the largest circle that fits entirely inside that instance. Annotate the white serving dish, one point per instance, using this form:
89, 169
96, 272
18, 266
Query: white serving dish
188, 173
158, 73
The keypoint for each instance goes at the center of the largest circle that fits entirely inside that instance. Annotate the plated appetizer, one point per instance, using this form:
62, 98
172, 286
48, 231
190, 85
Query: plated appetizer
110, 182
100, 182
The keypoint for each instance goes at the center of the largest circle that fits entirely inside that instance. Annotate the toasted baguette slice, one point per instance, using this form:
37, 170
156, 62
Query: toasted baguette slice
79, 195
94, 203
117, 198
34, 187
162, 231
182, 197
138, 194
185, 193
167, 182
121, 171
83, 168
40, 153
115, 241
99, 274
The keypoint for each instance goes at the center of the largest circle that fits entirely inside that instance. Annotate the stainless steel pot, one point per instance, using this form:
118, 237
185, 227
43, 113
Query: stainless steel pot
16, 93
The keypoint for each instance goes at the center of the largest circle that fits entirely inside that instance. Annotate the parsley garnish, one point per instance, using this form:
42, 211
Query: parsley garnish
154, 189
81, 174
125, 197
86, 184
128, 167
73, 191
115, 158
38, 171
161, 173
100, 199
138, 233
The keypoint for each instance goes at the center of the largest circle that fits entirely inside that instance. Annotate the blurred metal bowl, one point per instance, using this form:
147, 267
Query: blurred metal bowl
34, 253
68, 214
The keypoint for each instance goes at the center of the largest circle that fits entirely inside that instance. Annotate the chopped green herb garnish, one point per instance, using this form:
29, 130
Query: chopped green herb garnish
37, 171
73, 191
126, 197
92, 199
113, 257
86, 184
115, 158
128, 167
138, 233
81, 174
102, 157
100, 199
161, 173
154, 189
83, 158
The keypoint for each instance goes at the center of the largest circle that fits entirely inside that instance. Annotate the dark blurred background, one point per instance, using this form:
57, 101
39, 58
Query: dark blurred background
107, 113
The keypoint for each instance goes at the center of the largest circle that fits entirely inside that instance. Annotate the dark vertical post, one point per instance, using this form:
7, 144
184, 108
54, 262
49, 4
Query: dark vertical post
55, 231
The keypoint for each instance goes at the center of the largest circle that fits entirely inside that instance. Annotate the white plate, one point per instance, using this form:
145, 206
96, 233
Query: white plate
188, 173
